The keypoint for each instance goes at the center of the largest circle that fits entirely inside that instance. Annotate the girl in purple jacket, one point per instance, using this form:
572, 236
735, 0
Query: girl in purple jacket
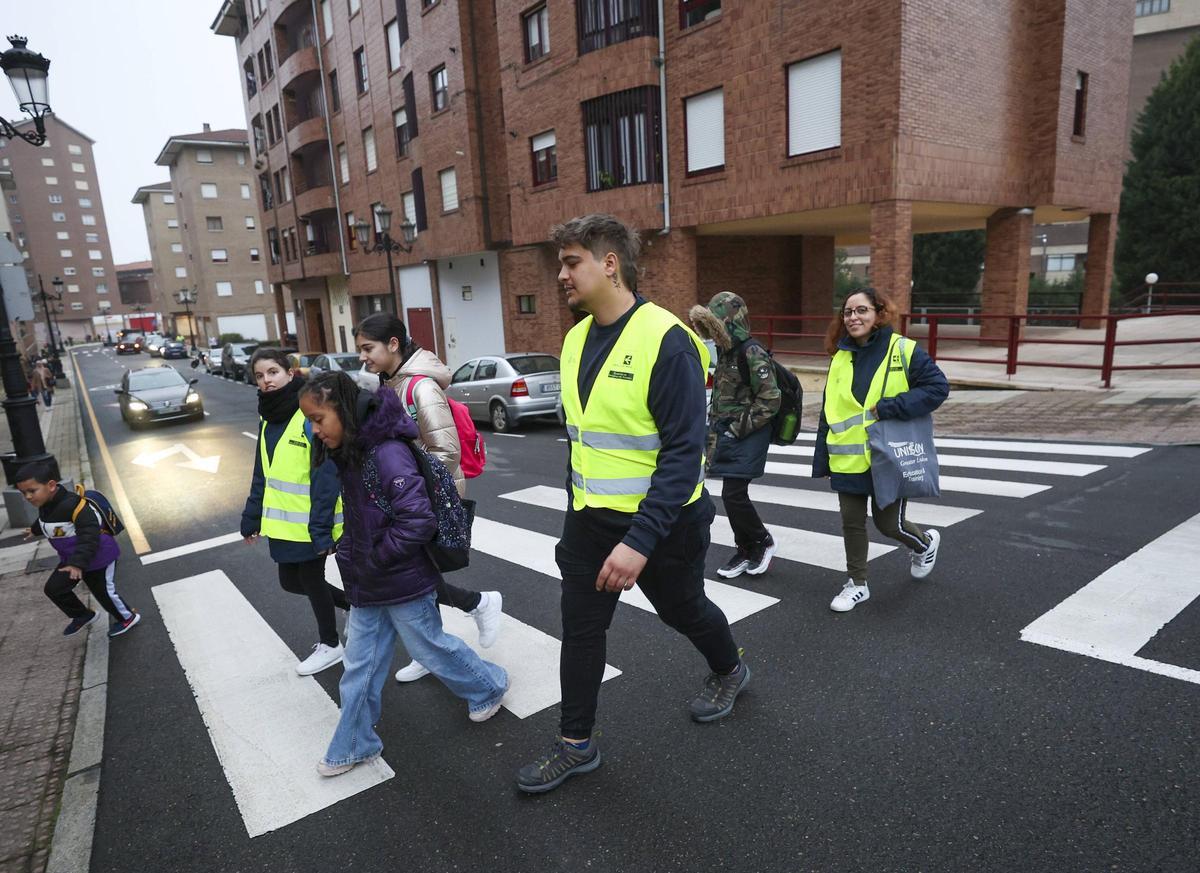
389, 579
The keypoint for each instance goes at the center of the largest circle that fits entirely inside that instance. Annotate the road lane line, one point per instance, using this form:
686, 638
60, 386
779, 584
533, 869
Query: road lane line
1117, 613
268, 725
190, 548
977, 462
536, 552
992, 487
252, 436
1028, 446
515, 436
934, 514
792, 544
124, 508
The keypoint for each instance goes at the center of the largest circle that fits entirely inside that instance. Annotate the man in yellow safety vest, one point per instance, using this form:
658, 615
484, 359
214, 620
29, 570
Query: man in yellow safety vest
633, 392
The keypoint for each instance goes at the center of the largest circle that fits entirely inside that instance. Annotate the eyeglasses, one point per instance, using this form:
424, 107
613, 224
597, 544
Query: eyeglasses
860, 311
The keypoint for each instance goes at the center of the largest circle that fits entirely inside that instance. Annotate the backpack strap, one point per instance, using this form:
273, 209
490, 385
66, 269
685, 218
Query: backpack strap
83, 501
408, 395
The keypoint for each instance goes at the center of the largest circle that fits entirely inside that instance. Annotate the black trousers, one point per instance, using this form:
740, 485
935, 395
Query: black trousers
308, 578
673, 581
748, 529
459, 598
60, 588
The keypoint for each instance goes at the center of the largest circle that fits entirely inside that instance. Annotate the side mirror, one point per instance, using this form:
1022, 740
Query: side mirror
193, 381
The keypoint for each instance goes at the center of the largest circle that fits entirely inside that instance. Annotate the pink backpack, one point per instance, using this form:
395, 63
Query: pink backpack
472, 452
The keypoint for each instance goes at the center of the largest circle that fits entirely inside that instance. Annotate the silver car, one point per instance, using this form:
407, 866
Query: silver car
349, 363
504, 390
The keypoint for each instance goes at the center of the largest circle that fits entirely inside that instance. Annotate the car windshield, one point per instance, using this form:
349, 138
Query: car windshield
132, 338
243, 348
530, 364
346, 362
159, 377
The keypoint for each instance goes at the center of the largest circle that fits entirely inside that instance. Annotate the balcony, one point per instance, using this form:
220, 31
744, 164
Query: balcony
307, 132
319, 244
314, 200
297, 64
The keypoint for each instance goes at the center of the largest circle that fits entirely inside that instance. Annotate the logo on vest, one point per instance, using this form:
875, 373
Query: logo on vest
299, 443
620, 374
628, 360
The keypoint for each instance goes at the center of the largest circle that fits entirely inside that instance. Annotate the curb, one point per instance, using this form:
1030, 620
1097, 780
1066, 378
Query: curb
75, 828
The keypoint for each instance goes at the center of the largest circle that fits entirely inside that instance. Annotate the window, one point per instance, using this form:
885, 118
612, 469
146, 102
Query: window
47, 162
58, 216
692, 12
168, 199
220, 256
241, 159
353, 6
78, 168
177, 248
621, 139
335, 96
69, 271
258, 283
1081, 91
400, 117
1151, 7
91, 237
85, 202
77, 306
214, 222
449, 180
351, 238
73, 289
52, 180
439, 87
254, 258
360, 71
343, 163
208, 190
536, 25
602, 22
526, 304
270, 61
273, 244
65, 253
705, 131
102, 288
393, 44
408, 202
283, 185
172, 223
204, 156
248, 76
224, 289
1060, 263
368, 137
264, 187
815, 104
245, 189
81, 185
62, 234
418, 195
327, 18
54, 198
75, 150
97, 271
181, 272
545, 158
89, 220
250, 222
95, 255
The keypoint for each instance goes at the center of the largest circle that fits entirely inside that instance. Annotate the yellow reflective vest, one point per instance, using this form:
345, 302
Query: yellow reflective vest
846, 417
614, 440
286, 502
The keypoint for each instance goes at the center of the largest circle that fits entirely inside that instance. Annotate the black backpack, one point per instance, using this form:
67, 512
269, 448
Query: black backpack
785, 425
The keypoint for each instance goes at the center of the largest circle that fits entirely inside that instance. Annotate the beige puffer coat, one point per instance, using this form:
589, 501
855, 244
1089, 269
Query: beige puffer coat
434, 420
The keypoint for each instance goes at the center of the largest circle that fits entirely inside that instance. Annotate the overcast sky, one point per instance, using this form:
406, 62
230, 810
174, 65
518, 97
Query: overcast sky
129, 74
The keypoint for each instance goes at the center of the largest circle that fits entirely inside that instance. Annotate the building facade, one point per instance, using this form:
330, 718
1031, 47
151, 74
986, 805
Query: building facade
58, 219
218, 254
746, 140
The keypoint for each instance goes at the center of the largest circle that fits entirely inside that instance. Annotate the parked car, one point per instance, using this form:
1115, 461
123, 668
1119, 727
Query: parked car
130, 344
302, 362
504, 390
154, 343
158, 394
248, 374
212, 360
174, 349
234, 358
349, 363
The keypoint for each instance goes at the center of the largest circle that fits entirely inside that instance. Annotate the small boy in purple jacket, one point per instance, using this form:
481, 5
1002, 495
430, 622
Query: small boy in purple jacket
86, 551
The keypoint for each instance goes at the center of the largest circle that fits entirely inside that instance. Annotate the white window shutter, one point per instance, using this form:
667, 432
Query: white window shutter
449, 180
815, 104
706, 131
543, 141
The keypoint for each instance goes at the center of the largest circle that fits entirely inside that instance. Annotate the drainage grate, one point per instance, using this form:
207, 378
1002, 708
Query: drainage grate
1164, 401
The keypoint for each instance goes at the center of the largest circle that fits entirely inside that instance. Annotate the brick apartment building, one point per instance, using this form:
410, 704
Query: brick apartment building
747, 140
205, 237
58, 219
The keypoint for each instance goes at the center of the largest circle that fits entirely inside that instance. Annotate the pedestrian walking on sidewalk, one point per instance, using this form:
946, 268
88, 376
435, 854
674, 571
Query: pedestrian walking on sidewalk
745, 398
41, 382
864, 350
633, 392
296, 506
389, 577
413, 372
86, 550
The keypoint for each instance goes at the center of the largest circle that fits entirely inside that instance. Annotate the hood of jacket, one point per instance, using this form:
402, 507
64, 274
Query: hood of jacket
422, 363
382, 417
725, 320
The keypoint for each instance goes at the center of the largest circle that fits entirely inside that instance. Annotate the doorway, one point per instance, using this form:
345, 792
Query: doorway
314, 326
420, 328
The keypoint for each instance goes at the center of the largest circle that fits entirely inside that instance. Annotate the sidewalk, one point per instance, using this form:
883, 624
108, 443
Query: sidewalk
42, 682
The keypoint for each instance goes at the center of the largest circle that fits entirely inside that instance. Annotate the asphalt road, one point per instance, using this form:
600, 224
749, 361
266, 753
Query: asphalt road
918, 732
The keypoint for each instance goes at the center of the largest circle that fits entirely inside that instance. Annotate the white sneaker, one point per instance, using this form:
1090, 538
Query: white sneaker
330, 770
850, 596
922, 564
322, 658
484, 714
487, 617
414, 671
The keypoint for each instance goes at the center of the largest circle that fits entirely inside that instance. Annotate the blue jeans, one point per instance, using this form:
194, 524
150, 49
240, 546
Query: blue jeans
370, 644
47, 398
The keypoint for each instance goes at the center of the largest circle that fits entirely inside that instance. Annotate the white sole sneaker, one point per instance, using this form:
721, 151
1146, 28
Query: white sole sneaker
922, 564
414, 671
487, 617
483, 715
850, 596
329, 770
761, 567
322, 658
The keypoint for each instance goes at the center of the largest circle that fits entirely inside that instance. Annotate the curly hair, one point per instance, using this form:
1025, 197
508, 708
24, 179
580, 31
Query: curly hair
837, 328
337, 391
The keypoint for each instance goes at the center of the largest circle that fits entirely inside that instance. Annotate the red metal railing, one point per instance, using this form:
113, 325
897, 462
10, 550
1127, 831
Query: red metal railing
770, 329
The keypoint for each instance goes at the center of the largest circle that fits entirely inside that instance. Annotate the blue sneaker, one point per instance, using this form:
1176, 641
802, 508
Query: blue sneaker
116, 627
78, 624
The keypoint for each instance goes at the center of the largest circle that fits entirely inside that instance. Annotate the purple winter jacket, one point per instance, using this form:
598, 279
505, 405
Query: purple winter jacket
382, 559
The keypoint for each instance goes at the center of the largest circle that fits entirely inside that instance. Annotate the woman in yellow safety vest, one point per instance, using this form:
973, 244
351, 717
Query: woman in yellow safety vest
864, 349
298, 509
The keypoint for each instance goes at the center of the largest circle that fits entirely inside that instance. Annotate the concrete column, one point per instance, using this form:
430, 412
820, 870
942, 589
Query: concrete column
1102, 236
1006, 269
891, 251
816, 275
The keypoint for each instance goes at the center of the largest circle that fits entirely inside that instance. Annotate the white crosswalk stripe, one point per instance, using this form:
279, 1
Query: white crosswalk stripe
1013, 465
967, 484
933, 514
1026, 446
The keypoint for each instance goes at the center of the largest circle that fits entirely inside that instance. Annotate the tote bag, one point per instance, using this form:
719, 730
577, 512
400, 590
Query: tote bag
903, 460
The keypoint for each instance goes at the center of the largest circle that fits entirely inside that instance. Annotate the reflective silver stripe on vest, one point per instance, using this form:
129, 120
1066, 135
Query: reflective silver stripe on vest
288, 487
572, 432
338, 518
612, 487
862, 418
857, 449
284, 515
648, 443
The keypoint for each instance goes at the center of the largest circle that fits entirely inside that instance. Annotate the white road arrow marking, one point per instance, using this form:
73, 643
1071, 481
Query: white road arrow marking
193, 462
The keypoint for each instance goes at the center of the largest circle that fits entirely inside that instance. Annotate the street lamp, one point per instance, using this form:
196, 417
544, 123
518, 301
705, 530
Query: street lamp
103, 313
28, 73
1045, 260
55, 364
187, 296
56, 309
1151, 281
384, 242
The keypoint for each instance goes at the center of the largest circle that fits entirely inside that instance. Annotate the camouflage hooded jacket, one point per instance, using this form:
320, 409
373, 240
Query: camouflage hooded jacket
738, 406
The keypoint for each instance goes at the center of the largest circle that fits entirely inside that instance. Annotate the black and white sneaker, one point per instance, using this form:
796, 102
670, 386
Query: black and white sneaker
737, 565
922, 564
760, 557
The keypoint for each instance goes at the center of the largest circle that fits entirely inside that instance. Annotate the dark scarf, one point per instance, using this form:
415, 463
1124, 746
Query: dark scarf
278, 407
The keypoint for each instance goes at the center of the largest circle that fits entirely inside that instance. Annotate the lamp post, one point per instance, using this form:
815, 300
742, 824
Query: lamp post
187, 296
1151, 281
55, 364
56, 309
384, 242
28, 73
1045, 260
103, 313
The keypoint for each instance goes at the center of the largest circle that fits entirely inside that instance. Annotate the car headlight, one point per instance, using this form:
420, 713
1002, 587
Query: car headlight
137, 406
193, 397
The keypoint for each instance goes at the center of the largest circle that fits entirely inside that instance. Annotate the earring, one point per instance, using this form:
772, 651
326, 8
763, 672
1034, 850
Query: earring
616, 283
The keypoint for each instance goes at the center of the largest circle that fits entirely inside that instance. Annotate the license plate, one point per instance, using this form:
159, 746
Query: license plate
550, 387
